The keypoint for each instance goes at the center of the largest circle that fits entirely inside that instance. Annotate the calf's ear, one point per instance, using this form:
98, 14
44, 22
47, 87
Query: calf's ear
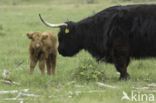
30, 35
45, 36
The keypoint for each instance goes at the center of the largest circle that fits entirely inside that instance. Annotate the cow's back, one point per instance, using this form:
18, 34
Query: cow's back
138, 24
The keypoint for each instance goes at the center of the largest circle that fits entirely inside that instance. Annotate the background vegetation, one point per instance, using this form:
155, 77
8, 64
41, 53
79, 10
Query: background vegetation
76, 79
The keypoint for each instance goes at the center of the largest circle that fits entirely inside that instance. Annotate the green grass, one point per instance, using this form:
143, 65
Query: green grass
64, 87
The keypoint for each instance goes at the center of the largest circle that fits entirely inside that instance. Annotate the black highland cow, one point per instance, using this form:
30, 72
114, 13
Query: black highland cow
114, 35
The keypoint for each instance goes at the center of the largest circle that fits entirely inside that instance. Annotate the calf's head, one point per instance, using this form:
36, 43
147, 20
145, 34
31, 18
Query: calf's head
70, 42
36, 39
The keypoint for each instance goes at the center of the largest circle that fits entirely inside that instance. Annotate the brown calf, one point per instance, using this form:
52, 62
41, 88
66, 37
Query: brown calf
43, 49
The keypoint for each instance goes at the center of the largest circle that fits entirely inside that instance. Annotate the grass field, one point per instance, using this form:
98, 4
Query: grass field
18, 19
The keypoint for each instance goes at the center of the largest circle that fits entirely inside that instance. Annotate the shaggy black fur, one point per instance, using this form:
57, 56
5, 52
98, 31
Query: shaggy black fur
114, 35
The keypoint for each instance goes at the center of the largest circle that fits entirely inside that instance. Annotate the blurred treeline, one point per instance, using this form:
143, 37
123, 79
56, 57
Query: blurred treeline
32, 2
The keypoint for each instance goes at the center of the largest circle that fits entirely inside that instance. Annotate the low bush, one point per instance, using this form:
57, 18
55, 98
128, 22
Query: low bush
89, 70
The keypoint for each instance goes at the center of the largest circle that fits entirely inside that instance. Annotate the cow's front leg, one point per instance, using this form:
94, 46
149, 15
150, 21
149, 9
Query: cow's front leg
121, 61
121, 66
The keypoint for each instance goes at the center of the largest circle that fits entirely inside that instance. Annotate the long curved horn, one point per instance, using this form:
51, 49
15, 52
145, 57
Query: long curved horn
52, 25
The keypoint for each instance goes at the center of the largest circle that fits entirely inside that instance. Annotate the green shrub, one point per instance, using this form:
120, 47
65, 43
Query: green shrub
89, 70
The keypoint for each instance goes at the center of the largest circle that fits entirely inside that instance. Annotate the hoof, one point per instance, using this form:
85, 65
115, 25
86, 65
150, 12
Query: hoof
125, 77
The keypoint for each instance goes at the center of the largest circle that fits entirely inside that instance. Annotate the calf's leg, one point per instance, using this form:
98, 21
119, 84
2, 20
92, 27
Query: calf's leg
42, 66
33, 62
49, 66
53, 61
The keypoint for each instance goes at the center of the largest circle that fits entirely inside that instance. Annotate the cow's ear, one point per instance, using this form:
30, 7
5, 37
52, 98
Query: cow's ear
45, 36
30, 35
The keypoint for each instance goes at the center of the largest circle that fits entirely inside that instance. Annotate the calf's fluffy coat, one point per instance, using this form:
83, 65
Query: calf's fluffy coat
43, 49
